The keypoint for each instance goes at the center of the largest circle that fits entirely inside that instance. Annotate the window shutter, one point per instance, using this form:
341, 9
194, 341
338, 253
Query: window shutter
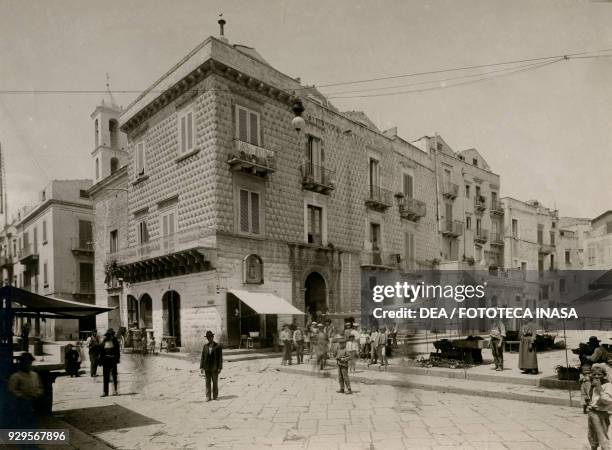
244, 211
408, 186
171, 224
190, 131
242, 125
140, 157
142, 231
183, 134
254, 128
254, 212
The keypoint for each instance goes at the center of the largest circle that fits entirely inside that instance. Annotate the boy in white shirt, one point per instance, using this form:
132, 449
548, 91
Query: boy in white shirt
352, 348
600, 407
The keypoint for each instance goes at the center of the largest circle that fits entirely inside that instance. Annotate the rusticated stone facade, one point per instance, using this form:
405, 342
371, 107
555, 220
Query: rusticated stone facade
364, 221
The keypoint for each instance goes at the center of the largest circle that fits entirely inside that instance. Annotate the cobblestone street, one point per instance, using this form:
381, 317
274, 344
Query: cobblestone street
162, 405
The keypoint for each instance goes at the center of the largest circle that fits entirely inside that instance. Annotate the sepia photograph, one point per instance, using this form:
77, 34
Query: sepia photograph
274, 224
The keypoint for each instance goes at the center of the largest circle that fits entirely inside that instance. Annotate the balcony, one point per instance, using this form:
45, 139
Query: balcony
497, 240
450, 190
317, 178
545, 249
480, 204
187, 251
27, 254
481, 236
80, 246
6, 262
411, 209
380, 260
80, 290
378, 198
452, 228
252, 159
497, 208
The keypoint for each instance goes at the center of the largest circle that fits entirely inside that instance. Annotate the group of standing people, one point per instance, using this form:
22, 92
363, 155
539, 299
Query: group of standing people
528, 357
321, 341
105, 352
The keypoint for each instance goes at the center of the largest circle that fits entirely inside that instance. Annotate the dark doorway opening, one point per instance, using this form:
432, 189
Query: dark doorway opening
146, 312
315, 296
171, 315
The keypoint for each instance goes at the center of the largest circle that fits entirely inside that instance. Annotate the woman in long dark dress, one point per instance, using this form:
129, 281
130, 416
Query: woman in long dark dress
528, 358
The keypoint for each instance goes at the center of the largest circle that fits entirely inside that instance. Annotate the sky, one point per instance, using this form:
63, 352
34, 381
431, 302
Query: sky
546, 132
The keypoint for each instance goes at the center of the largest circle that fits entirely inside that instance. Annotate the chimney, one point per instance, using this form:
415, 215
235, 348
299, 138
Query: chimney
222, 23
391, 132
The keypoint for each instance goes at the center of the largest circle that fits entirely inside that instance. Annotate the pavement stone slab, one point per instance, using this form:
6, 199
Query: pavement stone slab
262, 407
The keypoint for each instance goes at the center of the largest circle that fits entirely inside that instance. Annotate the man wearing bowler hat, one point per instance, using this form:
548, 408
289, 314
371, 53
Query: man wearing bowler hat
211, 364
600, 354
110, 356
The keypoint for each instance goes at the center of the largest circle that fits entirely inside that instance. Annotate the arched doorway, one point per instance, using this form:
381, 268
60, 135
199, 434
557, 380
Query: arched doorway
315, 295
132, 310
171, 315
146, 312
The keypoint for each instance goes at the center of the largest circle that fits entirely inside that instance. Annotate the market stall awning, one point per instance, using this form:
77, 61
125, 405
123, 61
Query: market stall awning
27, 303
264, 303
603, 282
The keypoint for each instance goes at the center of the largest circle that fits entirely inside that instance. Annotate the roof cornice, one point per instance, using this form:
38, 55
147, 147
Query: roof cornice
47, 204
188, 82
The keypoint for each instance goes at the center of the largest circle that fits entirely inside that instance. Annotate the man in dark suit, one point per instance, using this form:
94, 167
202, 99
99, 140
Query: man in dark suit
211, 364
110, 356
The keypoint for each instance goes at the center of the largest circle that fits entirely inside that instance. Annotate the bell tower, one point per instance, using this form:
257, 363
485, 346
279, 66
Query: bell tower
109, 153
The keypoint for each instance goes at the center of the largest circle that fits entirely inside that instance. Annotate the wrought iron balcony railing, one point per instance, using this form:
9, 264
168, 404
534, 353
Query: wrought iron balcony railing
317, 178
452, 228
497, 207
497, 239
27, 254
412, 209
378, 198
251, 158
190, 238
480, 203
6, 261
545, 249
380, 259
481, 236
450, 190
81, 245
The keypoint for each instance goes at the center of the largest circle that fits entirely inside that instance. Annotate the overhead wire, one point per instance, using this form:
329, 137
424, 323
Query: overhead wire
577, 55
435, 88
439, 80
432, 72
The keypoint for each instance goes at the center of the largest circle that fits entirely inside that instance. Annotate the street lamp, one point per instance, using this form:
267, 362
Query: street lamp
298, 121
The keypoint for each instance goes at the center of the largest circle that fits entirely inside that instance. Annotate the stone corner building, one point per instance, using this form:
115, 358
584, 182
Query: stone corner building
223, 212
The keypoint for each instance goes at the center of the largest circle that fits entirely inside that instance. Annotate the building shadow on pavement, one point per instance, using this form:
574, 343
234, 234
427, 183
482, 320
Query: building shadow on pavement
104, 418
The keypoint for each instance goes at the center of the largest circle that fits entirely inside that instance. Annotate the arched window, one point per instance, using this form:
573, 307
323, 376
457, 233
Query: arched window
113, 131
97, 169
114, 165
97, 134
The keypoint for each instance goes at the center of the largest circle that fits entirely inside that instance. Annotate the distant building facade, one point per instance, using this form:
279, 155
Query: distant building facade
48, 249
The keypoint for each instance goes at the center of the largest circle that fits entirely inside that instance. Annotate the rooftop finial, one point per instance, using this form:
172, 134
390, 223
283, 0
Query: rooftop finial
113, 103
221, 23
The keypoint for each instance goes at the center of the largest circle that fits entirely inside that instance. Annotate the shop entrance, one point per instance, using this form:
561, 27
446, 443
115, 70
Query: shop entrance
171, 315
315, 296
